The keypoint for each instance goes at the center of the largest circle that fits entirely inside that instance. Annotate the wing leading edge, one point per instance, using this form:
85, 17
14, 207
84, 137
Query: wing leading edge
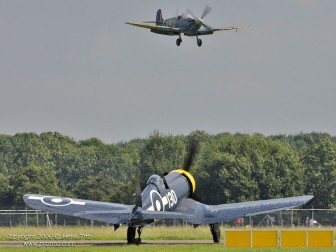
211, 31
156, 27
206, 214
175, 31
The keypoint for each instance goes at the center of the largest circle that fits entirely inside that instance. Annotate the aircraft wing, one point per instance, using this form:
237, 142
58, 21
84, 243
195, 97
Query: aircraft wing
156, 27
101, 211
95, 210
206, 214
211, 31
187, 210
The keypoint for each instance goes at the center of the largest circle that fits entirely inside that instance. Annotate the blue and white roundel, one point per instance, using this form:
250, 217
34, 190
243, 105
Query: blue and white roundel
157, 202
56, 201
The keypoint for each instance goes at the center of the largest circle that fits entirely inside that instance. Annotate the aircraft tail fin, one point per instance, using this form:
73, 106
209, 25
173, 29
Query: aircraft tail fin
159, 18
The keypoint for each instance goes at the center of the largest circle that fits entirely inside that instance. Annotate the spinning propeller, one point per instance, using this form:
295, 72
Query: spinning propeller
189, 161
190, 157
199, 21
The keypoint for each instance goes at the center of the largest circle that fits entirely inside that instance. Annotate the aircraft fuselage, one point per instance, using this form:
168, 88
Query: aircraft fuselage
163, 193
185, 24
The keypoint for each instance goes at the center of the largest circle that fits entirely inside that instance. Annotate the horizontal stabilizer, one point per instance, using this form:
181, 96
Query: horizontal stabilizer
152, 22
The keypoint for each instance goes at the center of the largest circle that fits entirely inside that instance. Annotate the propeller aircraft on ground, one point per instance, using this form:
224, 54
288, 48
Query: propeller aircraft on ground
168, 196
189, 25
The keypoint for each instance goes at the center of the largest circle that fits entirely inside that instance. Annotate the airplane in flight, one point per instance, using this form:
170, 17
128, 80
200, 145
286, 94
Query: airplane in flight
189, 25
167, 196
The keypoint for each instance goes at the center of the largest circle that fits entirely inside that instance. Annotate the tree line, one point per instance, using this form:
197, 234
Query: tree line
228, 167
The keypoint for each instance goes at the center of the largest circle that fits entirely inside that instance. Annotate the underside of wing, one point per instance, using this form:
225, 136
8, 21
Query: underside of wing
230, 28
93, 210
206, 214
165, 215
211, 31
157, 28
145, 216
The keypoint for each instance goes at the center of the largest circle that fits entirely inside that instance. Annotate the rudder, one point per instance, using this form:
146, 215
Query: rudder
159, 18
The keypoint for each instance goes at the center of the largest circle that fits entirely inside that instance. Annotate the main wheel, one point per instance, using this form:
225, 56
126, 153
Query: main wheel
215, 231
131, 235
178, 41
199, 42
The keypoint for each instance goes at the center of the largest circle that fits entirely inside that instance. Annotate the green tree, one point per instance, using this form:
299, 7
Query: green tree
248, 167
320, 163
5, 190
161, 154
32, 179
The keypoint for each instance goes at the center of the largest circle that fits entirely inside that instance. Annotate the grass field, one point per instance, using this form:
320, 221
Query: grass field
107, 233
160, 248
43, 234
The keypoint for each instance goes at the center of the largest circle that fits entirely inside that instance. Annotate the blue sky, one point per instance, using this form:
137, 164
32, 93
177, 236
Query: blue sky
76, 68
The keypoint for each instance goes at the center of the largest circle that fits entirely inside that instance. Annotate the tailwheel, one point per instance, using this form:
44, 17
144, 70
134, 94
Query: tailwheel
199, 42
178, 41
215, 231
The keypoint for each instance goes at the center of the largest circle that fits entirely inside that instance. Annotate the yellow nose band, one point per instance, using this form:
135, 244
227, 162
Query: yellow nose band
189, 177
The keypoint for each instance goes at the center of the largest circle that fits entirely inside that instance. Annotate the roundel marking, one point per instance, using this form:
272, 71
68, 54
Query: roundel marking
157, 201
56, 201
158, 205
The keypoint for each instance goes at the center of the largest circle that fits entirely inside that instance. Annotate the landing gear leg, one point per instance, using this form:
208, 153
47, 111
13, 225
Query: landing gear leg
199, 41
215, 231
131, 235
138, 240
179, 40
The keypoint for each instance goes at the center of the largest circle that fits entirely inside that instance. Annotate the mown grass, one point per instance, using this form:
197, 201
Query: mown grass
160, 248
149, 233
107, 233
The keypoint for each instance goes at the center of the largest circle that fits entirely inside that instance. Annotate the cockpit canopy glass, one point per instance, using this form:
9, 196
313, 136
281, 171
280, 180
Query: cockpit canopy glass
156, 180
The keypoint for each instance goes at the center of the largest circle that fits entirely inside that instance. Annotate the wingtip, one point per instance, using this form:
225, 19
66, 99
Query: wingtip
309, 197
306, 198
26, 197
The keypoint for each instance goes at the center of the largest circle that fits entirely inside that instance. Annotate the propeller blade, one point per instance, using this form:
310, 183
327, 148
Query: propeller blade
190, 14
208, 27
190, 157
206, 11
137, 186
